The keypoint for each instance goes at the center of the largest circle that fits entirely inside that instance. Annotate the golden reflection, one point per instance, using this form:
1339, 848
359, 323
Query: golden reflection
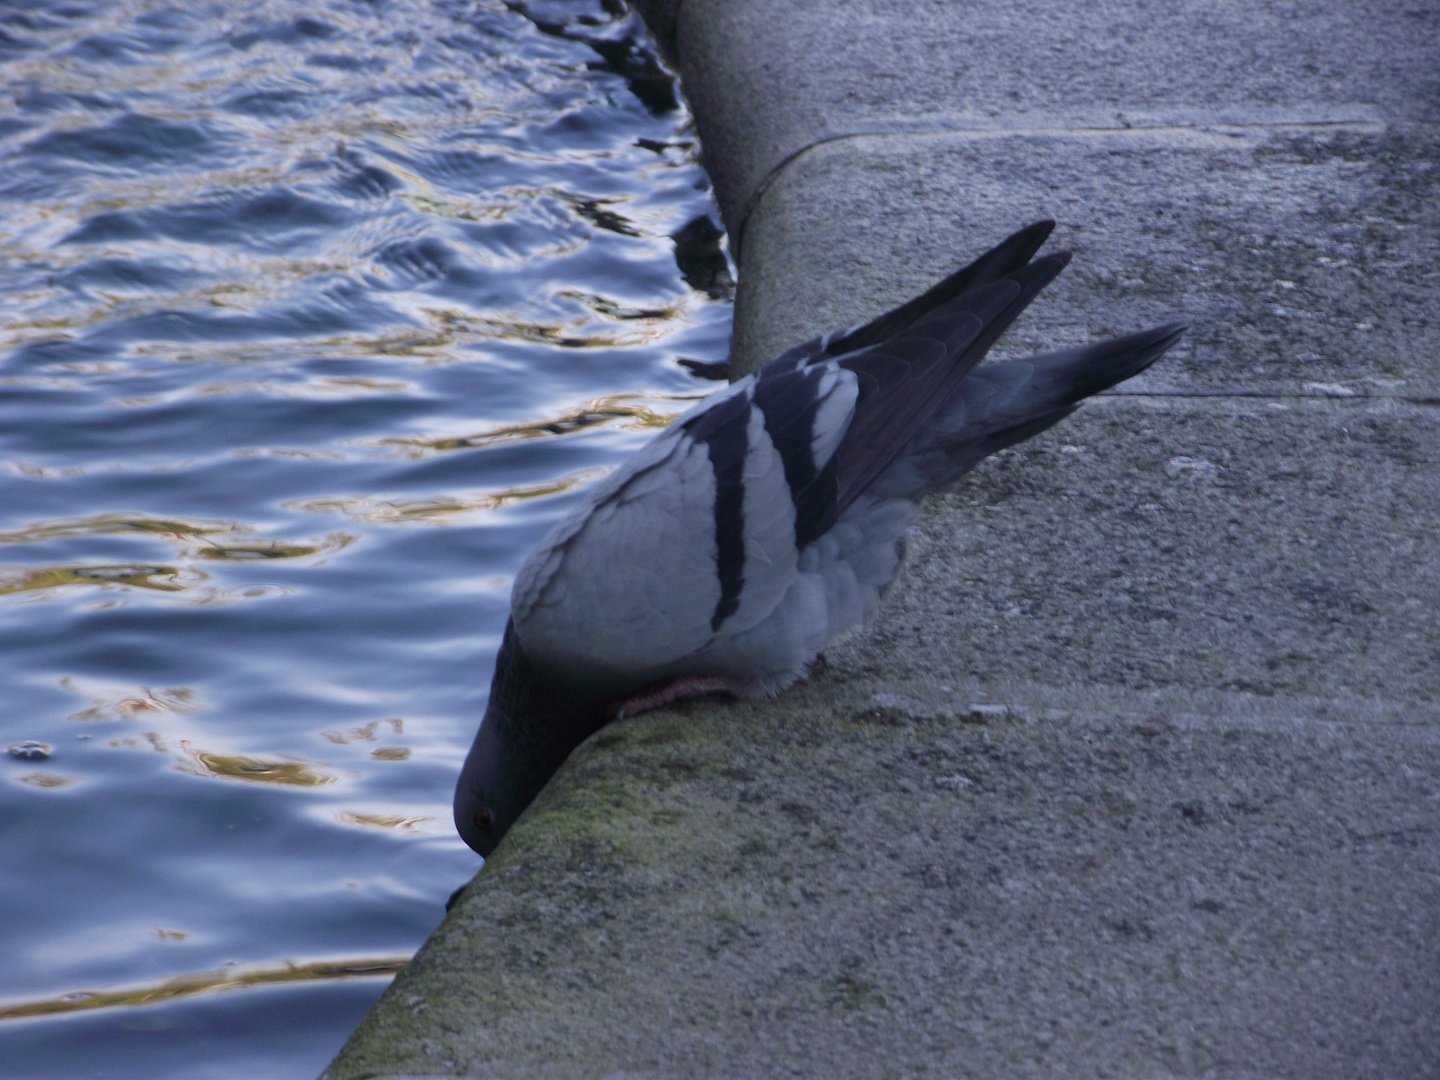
439, 509
271, 549
325, 389
160, 578
202, 539
596, 411
115, 524
43, 472
257, 770
449, 331
403, 341
457, 209
366, 732
47, 780
256, 551
151, 739
381, 821
170, 935
28, 331
288, 452
565, 334
187, 985
180, 699
264, 279
391, 753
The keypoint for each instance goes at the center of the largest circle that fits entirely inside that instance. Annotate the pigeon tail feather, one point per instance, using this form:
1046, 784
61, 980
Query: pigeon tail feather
1002, 404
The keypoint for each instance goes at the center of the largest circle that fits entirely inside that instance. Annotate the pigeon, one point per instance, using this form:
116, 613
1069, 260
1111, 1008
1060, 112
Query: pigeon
767, 521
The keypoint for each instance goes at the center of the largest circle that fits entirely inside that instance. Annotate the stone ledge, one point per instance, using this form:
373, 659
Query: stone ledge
770, 77
834, 884
1138, 772
1304, 261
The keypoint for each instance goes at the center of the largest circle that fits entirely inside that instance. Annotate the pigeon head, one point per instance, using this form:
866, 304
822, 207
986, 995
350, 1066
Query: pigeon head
531, 724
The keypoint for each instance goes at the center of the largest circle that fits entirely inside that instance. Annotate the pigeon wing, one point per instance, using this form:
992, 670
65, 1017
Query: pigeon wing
904, 382
692, 539
1009, 255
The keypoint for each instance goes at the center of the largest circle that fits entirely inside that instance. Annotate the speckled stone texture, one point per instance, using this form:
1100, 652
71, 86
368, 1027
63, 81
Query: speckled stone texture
1137, 773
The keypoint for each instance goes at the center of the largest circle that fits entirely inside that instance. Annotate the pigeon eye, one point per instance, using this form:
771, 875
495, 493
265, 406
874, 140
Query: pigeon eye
484, 819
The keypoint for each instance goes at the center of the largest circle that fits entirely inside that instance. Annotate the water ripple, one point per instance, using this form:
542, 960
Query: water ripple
314, 320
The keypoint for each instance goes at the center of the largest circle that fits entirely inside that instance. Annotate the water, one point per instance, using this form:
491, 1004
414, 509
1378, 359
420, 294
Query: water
314, 318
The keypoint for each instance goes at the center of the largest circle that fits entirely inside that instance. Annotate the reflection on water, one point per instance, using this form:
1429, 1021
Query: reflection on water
45, 780
255, 770
441, 509
391, 753
163, 578
380, 821
203, 541
262, 551
109, 525
422, 270
179, 699
366, 732
610, 407
199, 984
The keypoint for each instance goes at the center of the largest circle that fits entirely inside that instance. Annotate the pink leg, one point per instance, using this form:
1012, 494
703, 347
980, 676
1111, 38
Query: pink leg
652, 697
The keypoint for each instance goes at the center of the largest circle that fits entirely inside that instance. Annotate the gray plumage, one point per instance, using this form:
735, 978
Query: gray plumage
768, 520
